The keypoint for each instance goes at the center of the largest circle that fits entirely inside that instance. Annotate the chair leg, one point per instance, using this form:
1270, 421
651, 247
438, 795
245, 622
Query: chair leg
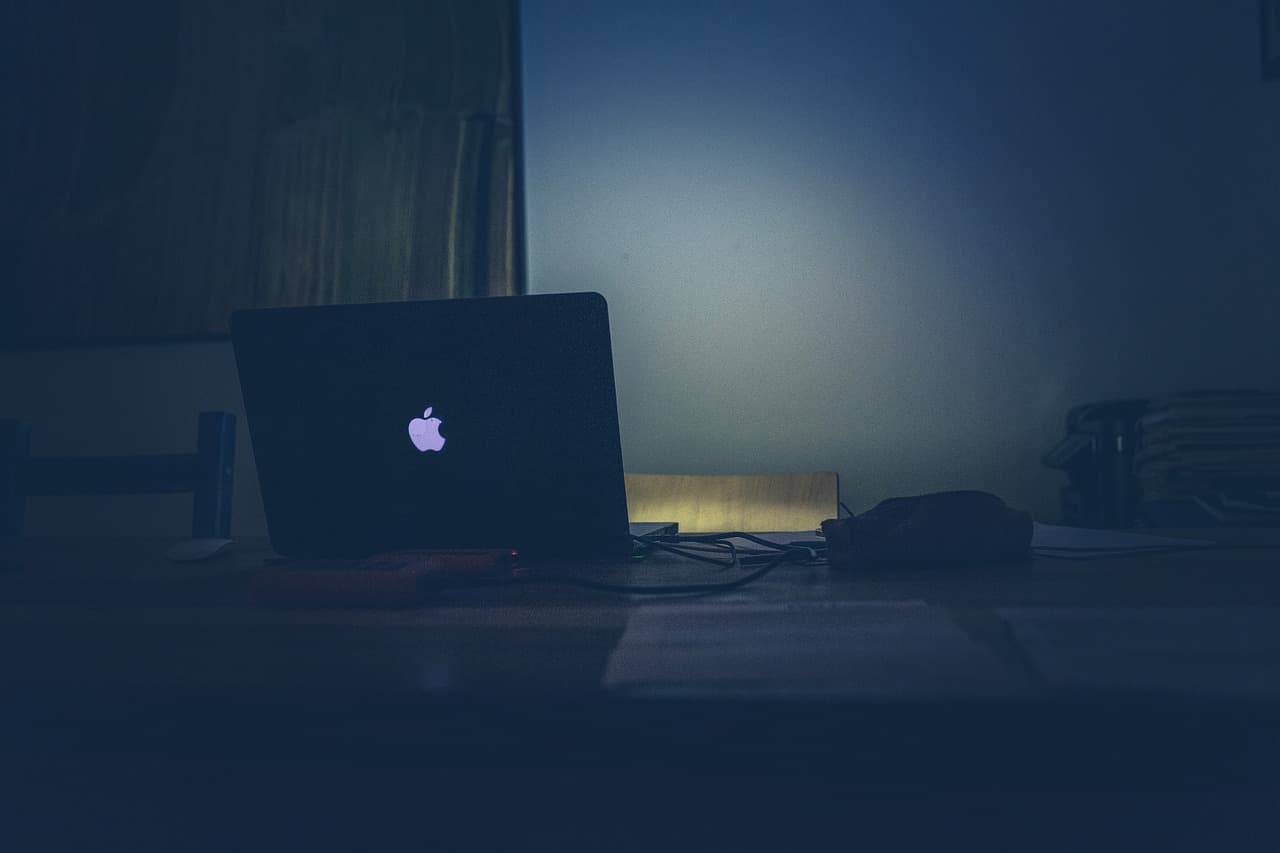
215, 452
15, 450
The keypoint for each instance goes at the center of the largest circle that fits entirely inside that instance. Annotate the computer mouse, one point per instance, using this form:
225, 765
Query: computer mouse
194, 550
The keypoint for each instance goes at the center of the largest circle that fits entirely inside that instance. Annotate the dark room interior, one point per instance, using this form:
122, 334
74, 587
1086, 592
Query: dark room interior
619, 425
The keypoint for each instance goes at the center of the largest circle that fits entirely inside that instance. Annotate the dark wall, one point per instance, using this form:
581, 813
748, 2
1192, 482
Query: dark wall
173, 160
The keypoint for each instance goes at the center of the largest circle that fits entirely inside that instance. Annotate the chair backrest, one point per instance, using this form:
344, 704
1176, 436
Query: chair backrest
714, 503
207, 474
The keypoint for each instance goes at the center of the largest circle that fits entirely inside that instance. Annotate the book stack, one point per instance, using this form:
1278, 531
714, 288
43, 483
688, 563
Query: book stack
1210, 458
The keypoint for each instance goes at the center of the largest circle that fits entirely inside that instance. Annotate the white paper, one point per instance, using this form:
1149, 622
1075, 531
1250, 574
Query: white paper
1084, 542
799, 648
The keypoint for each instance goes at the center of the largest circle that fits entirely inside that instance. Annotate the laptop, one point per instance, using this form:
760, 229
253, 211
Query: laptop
460, 423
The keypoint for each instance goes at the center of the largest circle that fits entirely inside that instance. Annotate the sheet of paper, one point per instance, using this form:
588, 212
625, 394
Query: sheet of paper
1233, 651
803, 648
1084, 543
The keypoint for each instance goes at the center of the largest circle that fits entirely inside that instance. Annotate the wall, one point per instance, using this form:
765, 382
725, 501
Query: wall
900, 240
897, 240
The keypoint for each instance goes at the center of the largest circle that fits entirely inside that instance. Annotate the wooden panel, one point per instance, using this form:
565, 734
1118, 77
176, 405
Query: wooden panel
175, 161
747, 502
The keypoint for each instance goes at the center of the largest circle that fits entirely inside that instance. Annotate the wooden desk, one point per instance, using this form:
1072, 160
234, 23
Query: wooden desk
121, 666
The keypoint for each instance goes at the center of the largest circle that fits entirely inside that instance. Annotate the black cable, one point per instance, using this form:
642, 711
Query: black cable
655, 589
787, 547
720, 545
718, 537
776, 555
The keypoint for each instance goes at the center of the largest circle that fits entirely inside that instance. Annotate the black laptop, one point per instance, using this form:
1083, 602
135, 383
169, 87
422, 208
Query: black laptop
460, 423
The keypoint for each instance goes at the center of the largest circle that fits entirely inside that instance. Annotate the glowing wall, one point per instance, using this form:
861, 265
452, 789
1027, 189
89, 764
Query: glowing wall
900, 240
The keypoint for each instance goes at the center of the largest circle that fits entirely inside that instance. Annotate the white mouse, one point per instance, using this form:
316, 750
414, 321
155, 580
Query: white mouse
192, 550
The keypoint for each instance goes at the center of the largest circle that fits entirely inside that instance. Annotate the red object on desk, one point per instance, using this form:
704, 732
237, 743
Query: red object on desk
394, 579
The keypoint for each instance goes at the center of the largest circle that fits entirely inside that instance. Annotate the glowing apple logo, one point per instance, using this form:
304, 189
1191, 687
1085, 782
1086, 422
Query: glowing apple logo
424, 432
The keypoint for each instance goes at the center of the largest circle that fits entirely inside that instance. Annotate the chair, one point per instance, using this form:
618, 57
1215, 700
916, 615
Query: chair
704, 503
207, 473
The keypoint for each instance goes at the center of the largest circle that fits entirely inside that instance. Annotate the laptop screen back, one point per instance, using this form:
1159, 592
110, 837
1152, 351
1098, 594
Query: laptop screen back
450, 423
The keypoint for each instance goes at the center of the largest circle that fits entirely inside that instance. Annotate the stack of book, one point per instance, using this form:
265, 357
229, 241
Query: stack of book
1210, 458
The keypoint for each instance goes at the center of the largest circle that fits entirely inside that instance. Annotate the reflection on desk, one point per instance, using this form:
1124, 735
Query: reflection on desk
818, 649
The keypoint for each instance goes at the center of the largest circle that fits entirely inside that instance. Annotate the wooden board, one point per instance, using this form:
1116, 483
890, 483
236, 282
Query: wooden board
704, 503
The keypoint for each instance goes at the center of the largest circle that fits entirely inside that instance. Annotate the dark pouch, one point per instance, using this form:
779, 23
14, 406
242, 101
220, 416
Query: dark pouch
943, 528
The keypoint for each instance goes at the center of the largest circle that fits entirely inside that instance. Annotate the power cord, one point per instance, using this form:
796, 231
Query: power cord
767, 556
670, 544
811, 549
659, 589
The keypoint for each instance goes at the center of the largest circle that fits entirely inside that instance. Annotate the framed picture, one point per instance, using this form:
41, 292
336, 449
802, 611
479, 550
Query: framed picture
1270, 18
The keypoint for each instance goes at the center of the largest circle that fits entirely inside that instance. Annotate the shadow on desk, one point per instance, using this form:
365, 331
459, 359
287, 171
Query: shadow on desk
704, 777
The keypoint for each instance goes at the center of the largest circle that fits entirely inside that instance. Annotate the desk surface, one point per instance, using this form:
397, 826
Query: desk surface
115, 611
111, 651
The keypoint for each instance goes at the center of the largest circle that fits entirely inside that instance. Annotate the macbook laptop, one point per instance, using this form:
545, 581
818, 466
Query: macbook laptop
440, 424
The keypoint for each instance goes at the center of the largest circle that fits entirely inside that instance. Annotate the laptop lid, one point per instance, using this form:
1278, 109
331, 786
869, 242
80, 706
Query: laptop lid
439, 424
